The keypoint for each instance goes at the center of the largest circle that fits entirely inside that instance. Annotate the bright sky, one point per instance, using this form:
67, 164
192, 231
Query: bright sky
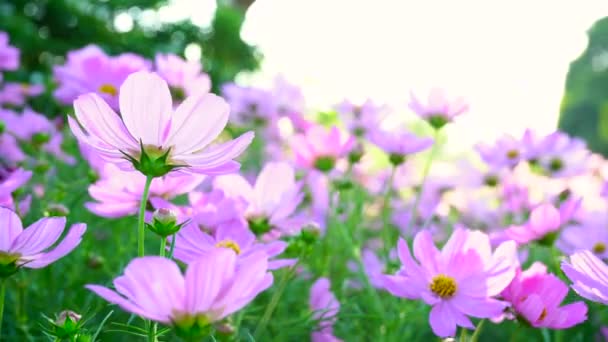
509, 58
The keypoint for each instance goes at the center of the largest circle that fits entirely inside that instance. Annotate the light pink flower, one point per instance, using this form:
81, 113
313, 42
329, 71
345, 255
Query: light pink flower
438, 109
589, 276
212, 288
31, 247
325, 307
185, 78
320, 148
11, 180
544, 223
458, 281
9, 55
17, 93
536, 297
148, 120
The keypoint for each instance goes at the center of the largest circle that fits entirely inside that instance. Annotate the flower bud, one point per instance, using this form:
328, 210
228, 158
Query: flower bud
57, 209
65, 315
164, 222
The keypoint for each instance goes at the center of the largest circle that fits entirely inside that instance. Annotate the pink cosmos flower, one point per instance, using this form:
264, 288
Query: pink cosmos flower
320, 148
589, 276
11, 180
458, 281
180, 138
118, 193
212, 288
535, 296
30, 247
543, 225
90, 70
360, 118
592, 235
326, 308
439, 109
191, 244
11, 152
16, 93
9, 55
399, 145
557, 154
185, 78
272, 200
505, 152
250, 106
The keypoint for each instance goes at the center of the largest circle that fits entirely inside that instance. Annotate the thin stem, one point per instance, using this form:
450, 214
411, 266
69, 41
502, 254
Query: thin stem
152, 333
172, 247
141, 233
425, 173
152, 330
477, 332
2, 296
163, 246
274, 301
386, 211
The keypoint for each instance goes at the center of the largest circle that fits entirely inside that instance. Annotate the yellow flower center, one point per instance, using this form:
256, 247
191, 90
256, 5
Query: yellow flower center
108, 89
599, 248
229, 244
512, 154
443, 286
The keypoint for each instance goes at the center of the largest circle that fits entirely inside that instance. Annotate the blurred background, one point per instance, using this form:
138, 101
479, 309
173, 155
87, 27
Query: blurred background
521, 64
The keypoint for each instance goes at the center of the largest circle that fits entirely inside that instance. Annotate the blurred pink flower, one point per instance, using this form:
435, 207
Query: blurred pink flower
147, 120
11, 180
325, 309
251, 106
118, 193
191, 244
557, 154
30, 247
272, 200
185, 78
458, 281
438, 109
543, 225
360, 118
506, 151
90, 70
320, 148
399, 145
536, 296
16, 93
589, 276
213, 288
11, 152
9, 55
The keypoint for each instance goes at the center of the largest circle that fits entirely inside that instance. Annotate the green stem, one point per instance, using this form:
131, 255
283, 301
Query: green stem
172, 247
163, 246
386, 236
425, 174
152, 330
141, 233
152, 333
2, 296
274, 301
477, 331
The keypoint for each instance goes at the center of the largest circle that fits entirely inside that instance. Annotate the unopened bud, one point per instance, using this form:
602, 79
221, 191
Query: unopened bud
57, 209
164, 222
64, 315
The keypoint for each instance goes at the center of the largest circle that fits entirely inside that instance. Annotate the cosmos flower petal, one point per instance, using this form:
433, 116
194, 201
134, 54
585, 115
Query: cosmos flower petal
69, 242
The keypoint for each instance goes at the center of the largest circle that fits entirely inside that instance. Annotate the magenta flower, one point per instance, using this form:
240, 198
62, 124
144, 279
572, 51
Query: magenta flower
185, 78
320, 148
438, 110
272, 200
191, 244
360, 118
505, 152
213, 288
9, 55
16, 93
30, 247
11, 180
118, 193
543, 226
535, 296
325, 307
399, 145
90, 70
152, 138
458, 281
589, 276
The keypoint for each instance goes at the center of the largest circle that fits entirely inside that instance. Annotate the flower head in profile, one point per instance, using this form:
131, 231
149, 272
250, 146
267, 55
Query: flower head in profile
543, 225
360, 118
192, 243
438, 109
399, 145
272, 200
16, 94
10, 181
118, 193
251, 106
320, 148
458, 281
535, 297
325, 307
591, 235
31, 247
589, 276
9, 55
185, 78
212, 288
152, 137
557, 155
90, 70
505, 152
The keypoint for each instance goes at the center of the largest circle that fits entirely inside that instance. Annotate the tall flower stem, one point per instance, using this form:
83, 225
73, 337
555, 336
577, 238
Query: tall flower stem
386, 236
163, 246
2, 296
274, 301
425, 174
141, 233
477, 331
152, 330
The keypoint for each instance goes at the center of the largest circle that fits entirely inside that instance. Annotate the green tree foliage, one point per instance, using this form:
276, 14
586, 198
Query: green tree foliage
585, 103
